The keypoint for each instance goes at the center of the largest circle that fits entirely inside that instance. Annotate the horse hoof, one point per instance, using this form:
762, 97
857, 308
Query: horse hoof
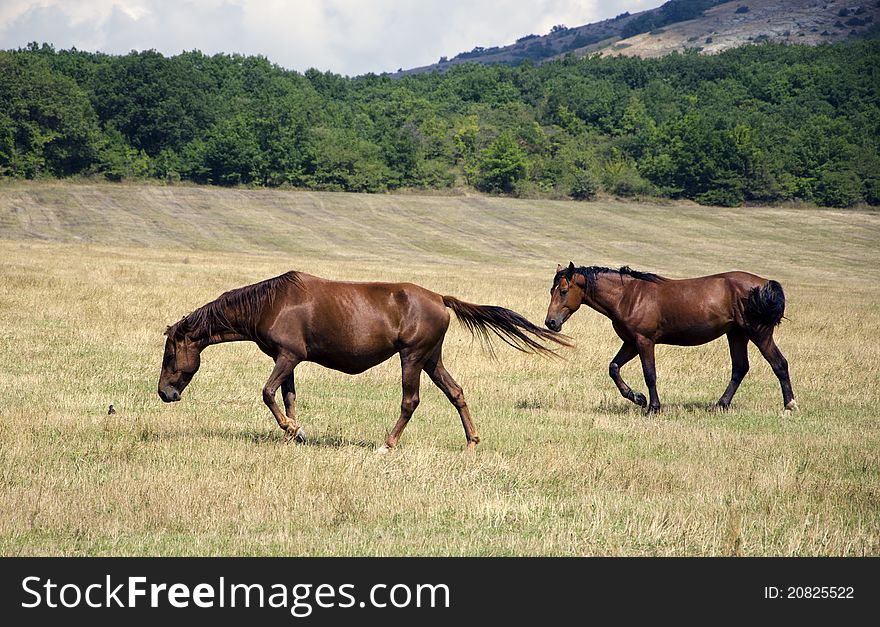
653, 411
298, 435
792, 405
719, 408
383, 450
639, 399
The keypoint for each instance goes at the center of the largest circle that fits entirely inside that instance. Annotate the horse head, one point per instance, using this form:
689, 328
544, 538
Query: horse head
179, 363
566, 296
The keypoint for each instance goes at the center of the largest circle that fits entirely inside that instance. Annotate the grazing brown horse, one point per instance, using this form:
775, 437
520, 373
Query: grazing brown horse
345, 326
646, 309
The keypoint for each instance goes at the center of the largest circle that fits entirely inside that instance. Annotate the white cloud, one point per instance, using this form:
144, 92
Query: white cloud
344, 36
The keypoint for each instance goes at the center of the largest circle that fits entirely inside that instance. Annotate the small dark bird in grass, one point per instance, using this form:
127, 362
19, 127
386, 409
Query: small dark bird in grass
111, 411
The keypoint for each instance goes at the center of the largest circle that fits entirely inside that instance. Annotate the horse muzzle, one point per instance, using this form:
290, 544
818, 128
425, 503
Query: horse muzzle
169, 395
553, 325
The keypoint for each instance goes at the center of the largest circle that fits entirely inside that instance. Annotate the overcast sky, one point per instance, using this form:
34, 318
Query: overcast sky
349, 37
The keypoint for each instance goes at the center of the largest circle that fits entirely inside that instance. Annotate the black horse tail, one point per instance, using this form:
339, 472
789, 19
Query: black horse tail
766, 304
506, 324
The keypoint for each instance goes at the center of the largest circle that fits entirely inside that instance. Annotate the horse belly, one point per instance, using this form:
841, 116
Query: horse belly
688, 331
352, 363
692, 336
352, 355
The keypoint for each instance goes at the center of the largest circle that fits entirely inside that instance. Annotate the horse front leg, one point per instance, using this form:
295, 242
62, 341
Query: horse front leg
282, 372
443, 380
646, 355
624, 356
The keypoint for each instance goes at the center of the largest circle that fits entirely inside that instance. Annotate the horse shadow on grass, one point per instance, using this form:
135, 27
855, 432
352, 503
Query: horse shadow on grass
272, 437
625, 408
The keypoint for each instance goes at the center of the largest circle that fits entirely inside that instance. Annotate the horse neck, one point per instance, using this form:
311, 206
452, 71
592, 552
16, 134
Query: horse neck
220, 338
233, 329
606, 297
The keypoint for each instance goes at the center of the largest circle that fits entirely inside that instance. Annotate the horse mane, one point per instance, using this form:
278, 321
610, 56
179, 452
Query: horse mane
591, 272
237, 310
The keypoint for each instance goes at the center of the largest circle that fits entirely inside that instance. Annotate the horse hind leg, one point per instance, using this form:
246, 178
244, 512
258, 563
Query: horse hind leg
443, 380
624, 356
411, 370
764, 342
288, 392
738, 342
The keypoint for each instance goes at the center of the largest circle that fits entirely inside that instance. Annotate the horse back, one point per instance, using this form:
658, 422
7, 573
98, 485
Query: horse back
351, 326
692, 311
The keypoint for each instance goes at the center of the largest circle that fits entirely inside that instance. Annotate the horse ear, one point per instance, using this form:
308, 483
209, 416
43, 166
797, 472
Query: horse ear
558, 268
570, 267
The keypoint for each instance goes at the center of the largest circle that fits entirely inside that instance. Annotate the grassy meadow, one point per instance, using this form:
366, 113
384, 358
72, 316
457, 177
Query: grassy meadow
90, 275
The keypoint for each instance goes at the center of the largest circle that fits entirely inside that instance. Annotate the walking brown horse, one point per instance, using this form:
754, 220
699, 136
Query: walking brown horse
344, 326
646, 309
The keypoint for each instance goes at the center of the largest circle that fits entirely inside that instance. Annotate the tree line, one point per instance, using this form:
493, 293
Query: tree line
761, 123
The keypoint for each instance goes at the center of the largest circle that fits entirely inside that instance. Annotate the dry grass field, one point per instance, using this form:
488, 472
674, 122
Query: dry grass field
90, 275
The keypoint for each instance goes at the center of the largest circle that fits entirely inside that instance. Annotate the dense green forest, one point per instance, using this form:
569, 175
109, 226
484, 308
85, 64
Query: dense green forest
763, 123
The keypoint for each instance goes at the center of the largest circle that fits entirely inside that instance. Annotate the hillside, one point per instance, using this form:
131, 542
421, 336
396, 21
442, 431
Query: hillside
810, 22
536, 47
436, 231
667, 28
